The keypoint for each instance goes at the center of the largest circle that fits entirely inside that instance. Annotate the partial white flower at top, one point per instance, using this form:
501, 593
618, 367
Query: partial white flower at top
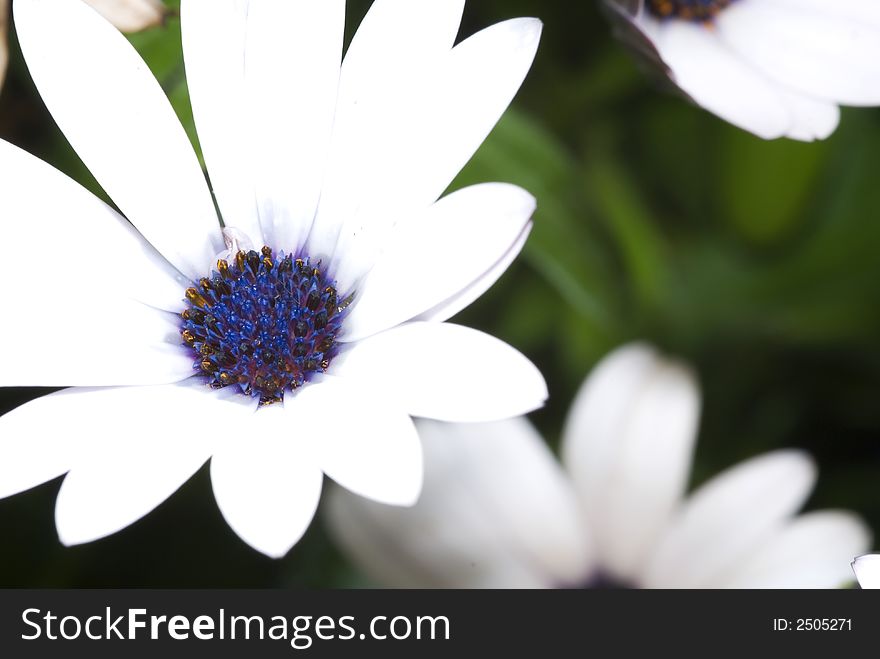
776, 68
867, 570
127, 15
498, 510
298, 341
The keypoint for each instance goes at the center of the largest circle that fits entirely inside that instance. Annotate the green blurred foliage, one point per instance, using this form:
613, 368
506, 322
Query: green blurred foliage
754, 260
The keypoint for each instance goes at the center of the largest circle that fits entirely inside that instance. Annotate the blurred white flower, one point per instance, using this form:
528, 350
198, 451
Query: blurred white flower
498, 510
305, 358
776, 68
127, 15
867, 570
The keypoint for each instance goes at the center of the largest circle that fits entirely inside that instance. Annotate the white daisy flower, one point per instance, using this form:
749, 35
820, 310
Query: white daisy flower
776, 68
867, 570
127, 15
498, 510
298, 341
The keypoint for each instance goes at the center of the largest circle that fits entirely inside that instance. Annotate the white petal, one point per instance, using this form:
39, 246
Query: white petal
263, 80
513, 488
445, 372
495, 511
266, 482
81, 241
822, 54
446, 249
124, 344
99, 275
863, 11
867, 570
35, 446
728, 518
360, 439
717, 79
418, 134
812, 119
813, 551
294, 51
213, 33
464, 298
113, 112
143, 444
393, 47
131, 15
627, 444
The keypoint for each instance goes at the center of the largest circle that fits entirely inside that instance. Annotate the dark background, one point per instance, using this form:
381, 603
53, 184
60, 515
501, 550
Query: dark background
753, 260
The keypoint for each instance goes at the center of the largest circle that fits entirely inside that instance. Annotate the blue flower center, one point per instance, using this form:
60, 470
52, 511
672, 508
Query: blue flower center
264, 324
699, 11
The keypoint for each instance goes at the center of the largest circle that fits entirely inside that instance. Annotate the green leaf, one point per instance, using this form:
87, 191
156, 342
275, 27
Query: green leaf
764, 188
634, 229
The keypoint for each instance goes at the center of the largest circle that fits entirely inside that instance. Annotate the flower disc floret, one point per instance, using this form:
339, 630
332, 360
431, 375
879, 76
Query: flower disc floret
265, 324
